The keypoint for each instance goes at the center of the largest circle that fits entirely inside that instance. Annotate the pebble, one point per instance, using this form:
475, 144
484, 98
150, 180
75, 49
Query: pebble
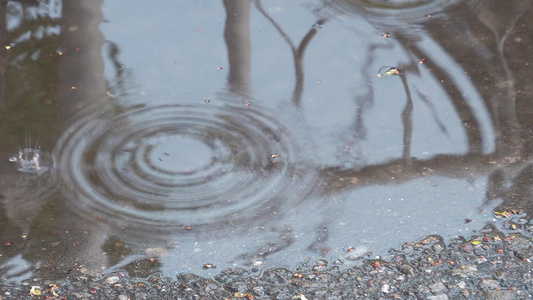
466, 247
456, 276
467, 271
489, 284
500, 295
437, 287
112, 279
438, 297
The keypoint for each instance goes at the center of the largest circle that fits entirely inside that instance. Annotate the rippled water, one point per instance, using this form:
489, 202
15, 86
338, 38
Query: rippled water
383, 11
254, 133
164, 167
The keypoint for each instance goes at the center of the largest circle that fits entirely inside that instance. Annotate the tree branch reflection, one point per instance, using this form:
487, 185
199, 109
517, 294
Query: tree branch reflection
297, 52
496, 89
237, 37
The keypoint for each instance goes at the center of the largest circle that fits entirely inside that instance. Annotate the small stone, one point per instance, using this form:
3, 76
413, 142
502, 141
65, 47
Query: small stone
489, 284
438, 297
466, 247
481, 260
461, 285
405, 268
467, 271
385, 288
122, 297
437, 287
112, 279
499, 295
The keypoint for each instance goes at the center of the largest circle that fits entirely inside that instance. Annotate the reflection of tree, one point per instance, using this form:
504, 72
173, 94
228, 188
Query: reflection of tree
497, 91
237, 37
75, 80
29, 54
297, 52
123, 83
3, 50
53, 70
485, 60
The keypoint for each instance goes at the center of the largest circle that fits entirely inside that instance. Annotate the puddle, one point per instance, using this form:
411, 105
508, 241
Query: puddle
196, 137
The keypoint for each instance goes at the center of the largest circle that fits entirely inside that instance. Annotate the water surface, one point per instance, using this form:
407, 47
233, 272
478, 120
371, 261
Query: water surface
253, 133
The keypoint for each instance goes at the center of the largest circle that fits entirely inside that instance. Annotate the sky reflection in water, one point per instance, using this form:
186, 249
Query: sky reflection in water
254, 133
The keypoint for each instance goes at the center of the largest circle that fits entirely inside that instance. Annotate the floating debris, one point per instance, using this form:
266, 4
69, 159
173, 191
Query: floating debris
391, 71
209, 266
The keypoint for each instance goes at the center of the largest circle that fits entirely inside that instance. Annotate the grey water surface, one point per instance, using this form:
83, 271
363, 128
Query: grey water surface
179, 136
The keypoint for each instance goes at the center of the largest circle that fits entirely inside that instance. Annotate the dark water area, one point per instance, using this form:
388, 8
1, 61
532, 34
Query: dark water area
177, 137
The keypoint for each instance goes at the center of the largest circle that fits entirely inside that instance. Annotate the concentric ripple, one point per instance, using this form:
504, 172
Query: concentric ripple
394, 12
180, 165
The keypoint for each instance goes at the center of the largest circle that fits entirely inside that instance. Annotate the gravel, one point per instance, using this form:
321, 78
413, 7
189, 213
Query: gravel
489, 265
